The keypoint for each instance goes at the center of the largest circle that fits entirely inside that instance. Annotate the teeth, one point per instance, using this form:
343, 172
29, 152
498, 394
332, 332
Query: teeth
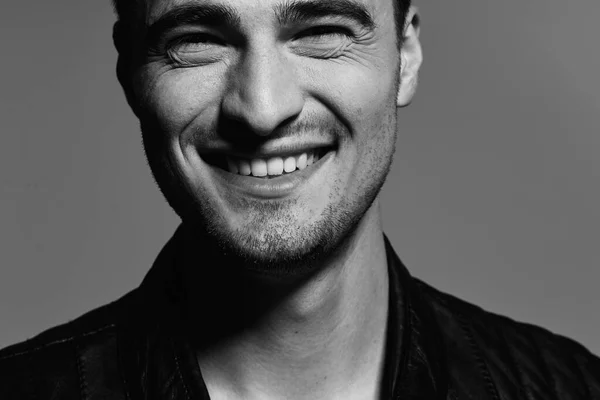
271, 167
244, 167
259, 167
301, 161
289, 165
275, 166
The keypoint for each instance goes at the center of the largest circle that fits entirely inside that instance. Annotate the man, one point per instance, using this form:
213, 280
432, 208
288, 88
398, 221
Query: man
270, 126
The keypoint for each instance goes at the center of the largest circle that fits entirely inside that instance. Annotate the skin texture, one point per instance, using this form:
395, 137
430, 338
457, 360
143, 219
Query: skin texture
304, 275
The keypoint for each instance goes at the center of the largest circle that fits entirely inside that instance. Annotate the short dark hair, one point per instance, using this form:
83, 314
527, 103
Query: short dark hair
126, 11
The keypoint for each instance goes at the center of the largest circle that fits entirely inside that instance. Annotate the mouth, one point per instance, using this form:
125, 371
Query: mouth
267, 167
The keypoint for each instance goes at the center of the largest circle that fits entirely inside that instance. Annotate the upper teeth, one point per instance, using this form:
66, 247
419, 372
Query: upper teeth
272, 166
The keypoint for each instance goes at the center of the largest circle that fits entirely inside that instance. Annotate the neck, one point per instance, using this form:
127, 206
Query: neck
319, 338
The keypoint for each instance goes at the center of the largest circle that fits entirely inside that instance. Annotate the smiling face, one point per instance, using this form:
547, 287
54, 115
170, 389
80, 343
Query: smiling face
269, 125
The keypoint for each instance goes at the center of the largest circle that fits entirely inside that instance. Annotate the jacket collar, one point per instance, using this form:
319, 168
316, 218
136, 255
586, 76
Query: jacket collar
157, 358
416, 356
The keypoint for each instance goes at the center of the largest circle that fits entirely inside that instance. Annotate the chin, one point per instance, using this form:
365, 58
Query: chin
280, 251
285, 253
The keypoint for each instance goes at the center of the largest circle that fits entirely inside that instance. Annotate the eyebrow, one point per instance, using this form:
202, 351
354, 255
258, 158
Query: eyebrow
193, 14
289, 12
296, 11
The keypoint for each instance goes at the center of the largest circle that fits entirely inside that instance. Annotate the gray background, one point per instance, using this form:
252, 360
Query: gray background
493, 197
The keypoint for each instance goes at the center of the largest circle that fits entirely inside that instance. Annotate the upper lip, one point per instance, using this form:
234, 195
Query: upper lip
265, 151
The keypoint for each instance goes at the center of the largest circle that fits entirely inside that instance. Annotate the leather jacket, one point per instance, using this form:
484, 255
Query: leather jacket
441, 348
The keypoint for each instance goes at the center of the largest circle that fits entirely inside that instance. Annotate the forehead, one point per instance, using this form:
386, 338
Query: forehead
273, 9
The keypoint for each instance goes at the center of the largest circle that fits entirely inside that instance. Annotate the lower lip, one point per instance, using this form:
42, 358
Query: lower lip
271, 188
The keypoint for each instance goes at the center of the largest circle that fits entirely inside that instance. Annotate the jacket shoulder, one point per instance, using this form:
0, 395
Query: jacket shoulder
513, 357
58, 362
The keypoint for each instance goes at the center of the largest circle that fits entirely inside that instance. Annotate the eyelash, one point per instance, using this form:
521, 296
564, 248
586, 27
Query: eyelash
195, 38
316, 31
325, 30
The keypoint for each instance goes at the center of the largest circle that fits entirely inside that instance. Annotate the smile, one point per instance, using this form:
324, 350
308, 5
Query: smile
276, 176
267, 167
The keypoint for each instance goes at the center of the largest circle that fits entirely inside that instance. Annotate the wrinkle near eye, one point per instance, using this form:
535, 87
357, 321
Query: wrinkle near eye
326, 53
367, 51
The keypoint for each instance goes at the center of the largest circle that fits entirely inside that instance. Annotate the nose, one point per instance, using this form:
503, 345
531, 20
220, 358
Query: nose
262, 92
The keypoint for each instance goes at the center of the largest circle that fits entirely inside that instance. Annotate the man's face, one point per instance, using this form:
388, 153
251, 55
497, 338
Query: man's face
271, 124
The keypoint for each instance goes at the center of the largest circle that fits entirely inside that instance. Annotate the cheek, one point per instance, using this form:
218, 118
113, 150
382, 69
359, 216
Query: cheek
365, 98
178, 96
358, 91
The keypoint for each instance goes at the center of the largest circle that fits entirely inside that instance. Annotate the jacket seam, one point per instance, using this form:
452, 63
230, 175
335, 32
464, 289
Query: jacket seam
81, 372
176, 356
481, 364
60, 341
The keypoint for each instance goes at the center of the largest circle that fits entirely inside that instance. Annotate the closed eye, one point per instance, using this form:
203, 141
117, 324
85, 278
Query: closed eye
196, 49
324, 31
196, 39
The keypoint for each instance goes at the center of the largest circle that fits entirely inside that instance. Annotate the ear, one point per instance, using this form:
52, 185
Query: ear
411, 57
124, 63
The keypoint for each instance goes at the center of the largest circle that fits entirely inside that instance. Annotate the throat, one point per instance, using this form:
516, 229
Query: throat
318, 343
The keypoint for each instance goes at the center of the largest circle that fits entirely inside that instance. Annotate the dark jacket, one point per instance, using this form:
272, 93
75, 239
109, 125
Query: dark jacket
441, 348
